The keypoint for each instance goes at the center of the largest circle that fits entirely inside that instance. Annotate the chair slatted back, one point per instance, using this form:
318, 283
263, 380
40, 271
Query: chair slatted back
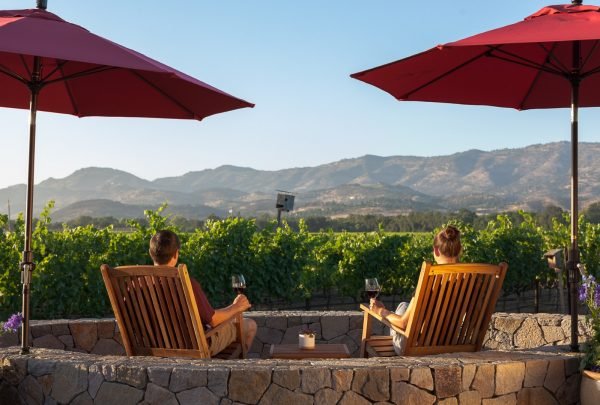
453, 307
156, 311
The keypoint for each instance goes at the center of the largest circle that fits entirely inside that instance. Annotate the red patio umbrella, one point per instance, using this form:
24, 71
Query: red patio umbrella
49, 64
551, 59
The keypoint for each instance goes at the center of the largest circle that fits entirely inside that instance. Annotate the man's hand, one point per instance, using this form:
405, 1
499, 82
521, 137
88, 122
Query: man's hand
241, 302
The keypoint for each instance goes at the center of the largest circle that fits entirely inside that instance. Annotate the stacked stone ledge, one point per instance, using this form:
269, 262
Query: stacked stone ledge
96, 336
526, 331
330, 326
54, 375
50, 376
506, 332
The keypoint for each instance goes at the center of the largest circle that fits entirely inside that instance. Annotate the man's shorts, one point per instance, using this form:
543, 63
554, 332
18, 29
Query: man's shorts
222, 338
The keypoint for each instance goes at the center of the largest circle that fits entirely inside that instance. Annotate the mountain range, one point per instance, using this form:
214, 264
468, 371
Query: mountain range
508, 179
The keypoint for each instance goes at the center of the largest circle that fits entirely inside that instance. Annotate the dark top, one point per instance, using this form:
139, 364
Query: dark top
206, 310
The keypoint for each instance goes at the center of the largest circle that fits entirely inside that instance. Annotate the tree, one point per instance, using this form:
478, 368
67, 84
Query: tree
592, 213
466, 216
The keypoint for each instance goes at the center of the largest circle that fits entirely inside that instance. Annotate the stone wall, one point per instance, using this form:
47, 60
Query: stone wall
48, 376
527, 331
101, 336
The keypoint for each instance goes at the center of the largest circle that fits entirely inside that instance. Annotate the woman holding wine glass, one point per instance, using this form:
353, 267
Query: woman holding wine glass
446, 250
372, 287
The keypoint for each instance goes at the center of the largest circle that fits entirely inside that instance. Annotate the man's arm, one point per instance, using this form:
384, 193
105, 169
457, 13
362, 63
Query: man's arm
240, 303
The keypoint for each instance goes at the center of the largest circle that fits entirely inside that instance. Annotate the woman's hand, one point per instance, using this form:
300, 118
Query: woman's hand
377, 307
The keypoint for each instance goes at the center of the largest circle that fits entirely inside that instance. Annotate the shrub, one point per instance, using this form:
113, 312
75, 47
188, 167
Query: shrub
280, 264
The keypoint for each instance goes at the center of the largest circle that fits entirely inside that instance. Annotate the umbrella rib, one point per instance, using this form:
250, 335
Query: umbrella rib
446, 73
587, 59
529, 90
69, 92
559, 65
59, 66
12, 74
537, 67
88, 72
590, 72
161, 91
25, 65
519, 60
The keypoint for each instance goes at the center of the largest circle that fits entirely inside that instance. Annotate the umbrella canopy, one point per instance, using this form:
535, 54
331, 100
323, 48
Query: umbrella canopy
525, 65
49, 64
550, 59
86, 75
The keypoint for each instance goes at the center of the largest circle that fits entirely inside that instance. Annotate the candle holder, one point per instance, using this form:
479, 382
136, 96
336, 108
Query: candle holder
306, 339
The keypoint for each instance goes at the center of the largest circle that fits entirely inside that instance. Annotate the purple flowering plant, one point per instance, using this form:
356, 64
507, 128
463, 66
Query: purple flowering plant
589, 294
12, 324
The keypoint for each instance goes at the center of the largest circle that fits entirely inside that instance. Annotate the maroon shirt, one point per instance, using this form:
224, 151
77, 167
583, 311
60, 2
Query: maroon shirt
206, 310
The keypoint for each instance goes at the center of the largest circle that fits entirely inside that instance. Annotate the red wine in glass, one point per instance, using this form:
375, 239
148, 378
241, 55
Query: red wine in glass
372, 293
238, 283
372, 287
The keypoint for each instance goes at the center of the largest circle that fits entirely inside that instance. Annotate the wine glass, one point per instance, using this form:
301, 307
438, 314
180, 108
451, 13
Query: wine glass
238, 283
372, 287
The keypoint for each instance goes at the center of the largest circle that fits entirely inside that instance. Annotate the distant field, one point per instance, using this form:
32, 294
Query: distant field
386, 232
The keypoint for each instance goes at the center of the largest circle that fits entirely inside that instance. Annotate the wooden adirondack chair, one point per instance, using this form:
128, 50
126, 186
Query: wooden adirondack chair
454, 304
157, 313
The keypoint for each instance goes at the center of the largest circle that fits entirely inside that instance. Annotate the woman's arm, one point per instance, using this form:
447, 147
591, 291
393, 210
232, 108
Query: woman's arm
401, 321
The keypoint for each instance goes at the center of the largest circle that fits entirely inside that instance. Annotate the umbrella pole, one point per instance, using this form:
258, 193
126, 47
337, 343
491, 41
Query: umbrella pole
573, 258
27, 265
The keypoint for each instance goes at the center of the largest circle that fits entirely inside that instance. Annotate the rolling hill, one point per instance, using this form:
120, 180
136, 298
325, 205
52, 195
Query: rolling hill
508, 179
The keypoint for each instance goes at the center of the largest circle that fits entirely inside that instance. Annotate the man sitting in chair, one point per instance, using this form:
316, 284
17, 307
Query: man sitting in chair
446, 250
164, 250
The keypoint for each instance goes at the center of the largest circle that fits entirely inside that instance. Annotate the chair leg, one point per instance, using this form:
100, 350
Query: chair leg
241, 339
366, 334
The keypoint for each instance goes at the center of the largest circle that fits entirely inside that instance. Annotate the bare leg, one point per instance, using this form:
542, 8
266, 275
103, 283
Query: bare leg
250, 329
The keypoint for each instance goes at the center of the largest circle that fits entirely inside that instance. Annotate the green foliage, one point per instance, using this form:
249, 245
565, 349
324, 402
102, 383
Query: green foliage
340, 262
11, 244
319, 274
417, 221
411, 251
223, 248
280, 263
281, 257
521, 246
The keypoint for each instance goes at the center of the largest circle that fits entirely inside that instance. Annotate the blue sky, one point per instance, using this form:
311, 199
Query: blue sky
293, 60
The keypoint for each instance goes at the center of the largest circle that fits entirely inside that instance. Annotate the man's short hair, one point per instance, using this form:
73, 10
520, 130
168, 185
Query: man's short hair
163, 246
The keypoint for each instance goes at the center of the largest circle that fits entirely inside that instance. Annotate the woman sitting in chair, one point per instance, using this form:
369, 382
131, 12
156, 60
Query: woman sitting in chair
446, 250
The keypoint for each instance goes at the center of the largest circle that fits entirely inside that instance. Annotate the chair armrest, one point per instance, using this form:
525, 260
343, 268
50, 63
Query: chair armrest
235, 316
384, 321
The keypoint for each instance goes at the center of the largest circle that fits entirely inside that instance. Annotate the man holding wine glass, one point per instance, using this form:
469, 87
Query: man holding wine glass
238, 283
446, 250
164, 250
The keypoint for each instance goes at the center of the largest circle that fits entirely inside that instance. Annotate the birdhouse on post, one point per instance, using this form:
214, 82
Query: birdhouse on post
285, 202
